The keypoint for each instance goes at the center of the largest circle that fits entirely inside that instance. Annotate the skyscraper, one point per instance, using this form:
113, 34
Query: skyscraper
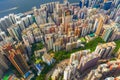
88, 61
107, 34
107, 5
21, 25
30, 18
21, 47
105, 50
118, 54
12, 18
16, 58
18, 61
49, 41
100, 25
3, 64
25, 21
95, 25
2, 35
15, 32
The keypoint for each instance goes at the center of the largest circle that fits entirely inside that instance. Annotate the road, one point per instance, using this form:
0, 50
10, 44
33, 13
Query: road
64, 62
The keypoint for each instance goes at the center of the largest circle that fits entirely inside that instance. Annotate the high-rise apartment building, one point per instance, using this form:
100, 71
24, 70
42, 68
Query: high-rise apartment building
56, 46
15, 32
118, 54
99, 26
2, 35
18, 61
105, 50
16, 58
107, 4
21, 25
107, 34
88, 61
111, 32
49, 41
3, 65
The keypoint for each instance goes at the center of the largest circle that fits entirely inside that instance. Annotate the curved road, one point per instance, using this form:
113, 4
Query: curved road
66, 61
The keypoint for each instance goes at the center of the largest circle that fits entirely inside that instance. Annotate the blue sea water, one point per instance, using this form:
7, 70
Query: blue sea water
18, 6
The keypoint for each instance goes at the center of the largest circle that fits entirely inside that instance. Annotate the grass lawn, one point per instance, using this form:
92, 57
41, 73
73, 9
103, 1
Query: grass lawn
117, 45
83, 39
92, 44
37, 46
6, 77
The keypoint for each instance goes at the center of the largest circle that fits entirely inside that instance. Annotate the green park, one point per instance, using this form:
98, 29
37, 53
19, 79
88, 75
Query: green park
61, 55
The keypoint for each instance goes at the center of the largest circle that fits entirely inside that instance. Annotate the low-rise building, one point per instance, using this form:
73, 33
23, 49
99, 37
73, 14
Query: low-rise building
47, 59
40, 52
